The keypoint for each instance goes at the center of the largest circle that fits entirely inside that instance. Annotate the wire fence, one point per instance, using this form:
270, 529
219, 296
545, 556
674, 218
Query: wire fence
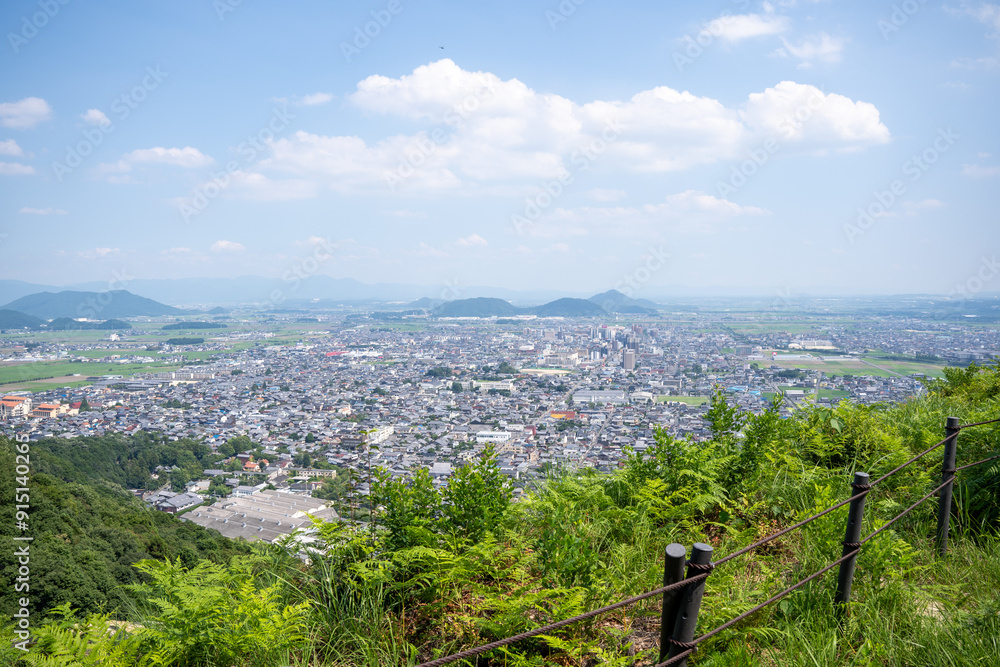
681, 645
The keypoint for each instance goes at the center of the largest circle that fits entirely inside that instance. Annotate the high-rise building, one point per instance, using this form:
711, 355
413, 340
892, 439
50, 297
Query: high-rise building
629, 361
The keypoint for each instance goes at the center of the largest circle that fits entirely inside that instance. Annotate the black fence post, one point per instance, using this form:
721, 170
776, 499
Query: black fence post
845, 578
690, 602
673, 571
947, 473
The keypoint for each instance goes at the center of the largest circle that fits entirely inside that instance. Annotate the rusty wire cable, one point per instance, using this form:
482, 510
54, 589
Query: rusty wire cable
970, 465
784, 531
991, 421
468, 653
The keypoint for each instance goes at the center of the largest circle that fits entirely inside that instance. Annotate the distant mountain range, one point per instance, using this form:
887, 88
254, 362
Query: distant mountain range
92, 305
32, 310
490, 307
311, 292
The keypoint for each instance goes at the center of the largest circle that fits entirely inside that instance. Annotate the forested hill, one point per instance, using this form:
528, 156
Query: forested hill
88, 530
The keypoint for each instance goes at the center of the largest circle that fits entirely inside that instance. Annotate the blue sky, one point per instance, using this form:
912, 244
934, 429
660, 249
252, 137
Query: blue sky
782, 148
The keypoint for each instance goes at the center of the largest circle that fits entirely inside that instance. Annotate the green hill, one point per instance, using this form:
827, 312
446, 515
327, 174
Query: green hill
614, 301
116, 303
569, 308
68, 324
88, 530
183, 326
12, 319
477, 307
490, 307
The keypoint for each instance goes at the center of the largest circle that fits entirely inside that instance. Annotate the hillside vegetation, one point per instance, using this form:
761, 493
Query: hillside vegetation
444, 570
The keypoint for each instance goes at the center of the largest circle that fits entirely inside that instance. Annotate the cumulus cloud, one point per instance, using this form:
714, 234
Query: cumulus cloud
10, 147
228, 246
499, 133
24, 114
27, 210
95, 117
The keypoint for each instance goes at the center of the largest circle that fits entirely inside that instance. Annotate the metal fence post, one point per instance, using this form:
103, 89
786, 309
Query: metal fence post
690, 602
673, 571
947, 473
845, 578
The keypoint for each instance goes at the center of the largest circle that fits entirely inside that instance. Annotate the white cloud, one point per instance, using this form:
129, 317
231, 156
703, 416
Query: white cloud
10, 147
228, 246
41, 211
501, 134
795, 112
315, 99
814, 48
691, 211
979, 171
24, 114
15, 169
473, 241
734, 28
95, 117
185, 158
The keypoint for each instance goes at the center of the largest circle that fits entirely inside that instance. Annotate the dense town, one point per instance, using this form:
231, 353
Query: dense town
542, 393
